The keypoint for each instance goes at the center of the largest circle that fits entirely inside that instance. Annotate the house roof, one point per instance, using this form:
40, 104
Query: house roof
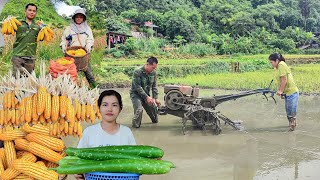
149, 24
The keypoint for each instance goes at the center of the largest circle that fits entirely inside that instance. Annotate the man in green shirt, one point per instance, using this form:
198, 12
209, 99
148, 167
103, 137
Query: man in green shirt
287, 87
145, 80
25, 46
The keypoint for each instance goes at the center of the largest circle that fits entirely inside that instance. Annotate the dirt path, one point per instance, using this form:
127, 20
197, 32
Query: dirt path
265, 151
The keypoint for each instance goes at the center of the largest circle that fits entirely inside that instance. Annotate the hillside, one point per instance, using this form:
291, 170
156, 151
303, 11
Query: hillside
46, 11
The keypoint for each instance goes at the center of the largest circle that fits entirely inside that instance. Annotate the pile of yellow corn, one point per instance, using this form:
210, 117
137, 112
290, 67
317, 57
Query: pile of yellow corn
10, 25
64, 61
35, 113
28, 152
79, 52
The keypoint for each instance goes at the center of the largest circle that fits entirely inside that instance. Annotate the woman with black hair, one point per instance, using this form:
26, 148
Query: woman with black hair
287, 88
107, 132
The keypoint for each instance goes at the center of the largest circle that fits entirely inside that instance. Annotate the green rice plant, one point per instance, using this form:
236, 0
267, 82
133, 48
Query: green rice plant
305, 76
197, 49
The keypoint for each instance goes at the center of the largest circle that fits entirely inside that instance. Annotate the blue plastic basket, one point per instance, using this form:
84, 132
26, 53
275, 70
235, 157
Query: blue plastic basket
111, 176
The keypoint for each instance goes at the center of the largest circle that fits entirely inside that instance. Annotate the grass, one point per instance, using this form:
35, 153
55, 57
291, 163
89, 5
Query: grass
305, 77
262, 58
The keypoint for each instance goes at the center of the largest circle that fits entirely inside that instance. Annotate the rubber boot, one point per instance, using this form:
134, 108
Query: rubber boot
93, 85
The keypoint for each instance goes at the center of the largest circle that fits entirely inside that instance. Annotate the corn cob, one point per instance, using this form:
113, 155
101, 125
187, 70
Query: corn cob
99, 115
44, 152
52, 165
58, 130
21, 144
2, 117
29, 157
55, 129
79, 130
41, 163
62, 134
3, 158
28, 109
13, 116
63, 154
70, 114
42, 120
13, 100
55, 108
13, 24
77, 109
83, 112
17, 119
1, 167
34, 170
11, 173
47, 141
88, 110
23, 177
51, 126
9, 102
10, 152
96, 107
5, 100
41, 98
70, 131
20, 153
35, 115
22, 109
7, 118
12, 135
16, 21
66, 127
61, 126
92, 115
37, 128
75, 128
47, 111
9, 128
63, 105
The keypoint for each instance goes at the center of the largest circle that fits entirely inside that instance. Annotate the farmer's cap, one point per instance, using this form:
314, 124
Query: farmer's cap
79, 11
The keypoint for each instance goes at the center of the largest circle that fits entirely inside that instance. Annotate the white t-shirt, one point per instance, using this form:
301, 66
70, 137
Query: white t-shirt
95, 136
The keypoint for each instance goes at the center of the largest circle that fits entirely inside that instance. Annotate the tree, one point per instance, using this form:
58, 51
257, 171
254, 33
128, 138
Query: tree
178, 26
242, 23
305, 8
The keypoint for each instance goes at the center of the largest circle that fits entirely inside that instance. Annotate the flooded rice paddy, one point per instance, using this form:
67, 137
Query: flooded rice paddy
264, 151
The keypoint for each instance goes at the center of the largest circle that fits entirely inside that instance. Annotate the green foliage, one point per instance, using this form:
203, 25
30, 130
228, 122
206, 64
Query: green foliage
116, 24
177, 25
197, 49
285, 44
45, 12
305, 77
97, 21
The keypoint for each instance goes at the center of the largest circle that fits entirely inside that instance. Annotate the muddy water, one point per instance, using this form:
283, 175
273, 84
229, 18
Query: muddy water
264, 151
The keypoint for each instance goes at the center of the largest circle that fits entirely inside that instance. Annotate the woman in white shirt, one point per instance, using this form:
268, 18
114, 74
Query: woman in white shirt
107, 132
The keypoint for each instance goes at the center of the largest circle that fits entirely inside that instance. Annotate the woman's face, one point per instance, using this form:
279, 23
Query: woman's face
110, 108
79, 18
274, 63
